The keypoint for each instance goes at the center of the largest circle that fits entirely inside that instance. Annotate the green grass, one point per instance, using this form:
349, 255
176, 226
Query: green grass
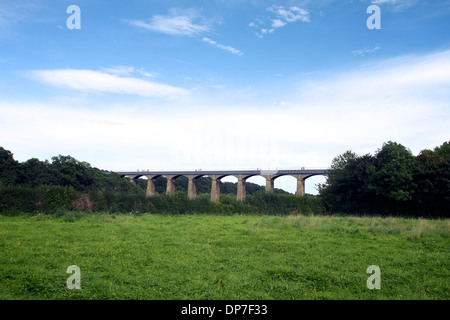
222, 257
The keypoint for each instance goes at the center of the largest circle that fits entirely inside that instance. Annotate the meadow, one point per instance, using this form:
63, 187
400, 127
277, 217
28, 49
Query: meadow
257, 257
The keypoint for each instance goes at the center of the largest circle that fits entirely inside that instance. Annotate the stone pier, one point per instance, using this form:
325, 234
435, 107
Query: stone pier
300, 185
151, 191
215, 189
133, 180
240, 188
170, 189
269, 184
192, 188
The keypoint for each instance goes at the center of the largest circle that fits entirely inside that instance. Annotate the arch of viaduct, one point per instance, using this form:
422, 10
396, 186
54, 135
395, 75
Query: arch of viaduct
242, 175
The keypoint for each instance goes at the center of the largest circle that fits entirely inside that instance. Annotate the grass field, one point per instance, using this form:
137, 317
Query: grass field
222, 257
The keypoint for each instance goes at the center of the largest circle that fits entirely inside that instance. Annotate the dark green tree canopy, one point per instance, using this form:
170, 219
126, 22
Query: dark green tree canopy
391, 181
9, 168
391, 176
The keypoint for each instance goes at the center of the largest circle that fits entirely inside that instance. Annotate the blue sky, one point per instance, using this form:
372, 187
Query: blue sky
222, 84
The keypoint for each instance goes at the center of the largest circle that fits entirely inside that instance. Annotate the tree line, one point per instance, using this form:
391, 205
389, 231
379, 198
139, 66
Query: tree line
67, 171
65, 183
391, 181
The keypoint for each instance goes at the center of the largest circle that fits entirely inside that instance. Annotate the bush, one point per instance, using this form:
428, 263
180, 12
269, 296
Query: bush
51, 199
43, 199
270, 203
18, 199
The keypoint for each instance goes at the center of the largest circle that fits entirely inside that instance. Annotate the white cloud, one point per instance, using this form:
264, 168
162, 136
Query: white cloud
13, 12
96, 81
182, 25
221, 46
277, 23
280, 18
384, 1
144, 73
397, 4
363, 52
405, 99
16, 14
119, 70
173, 24
394, 2
292, 14
127, 71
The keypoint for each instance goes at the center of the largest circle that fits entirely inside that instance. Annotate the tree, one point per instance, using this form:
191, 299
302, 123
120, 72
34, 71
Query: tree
391, 176
35, 173
346, 187
432, 180
444, 151
69, 171
382, 183
9, 168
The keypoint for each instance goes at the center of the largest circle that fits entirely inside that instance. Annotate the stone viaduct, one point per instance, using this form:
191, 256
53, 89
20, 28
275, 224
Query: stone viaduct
242, 175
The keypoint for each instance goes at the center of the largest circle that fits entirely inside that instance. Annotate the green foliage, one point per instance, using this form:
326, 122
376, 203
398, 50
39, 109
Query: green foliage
392, 181
70, 172
15, 199
178, 203
391, 175
270, 203
347, 187
49, 199
432, 179
45, 198
9, 168
35, 173
52, 198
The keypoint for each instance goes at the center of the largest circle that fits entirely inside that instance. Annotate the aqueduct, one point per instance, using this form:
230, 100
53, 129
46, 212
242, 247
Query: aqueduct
242, 175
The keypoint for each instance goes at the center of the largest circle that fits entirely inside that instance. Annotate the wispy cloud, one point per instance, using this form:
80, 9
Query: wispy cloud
179, 24
97, 81
279, 17
182, 25
15, 13
127, 71
221, 46
397, 4
404, 99
363, 52
119, 70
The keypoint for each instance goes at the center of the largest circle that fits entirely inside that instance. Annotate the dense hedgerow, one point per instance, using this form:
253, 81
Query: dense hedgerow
49, 199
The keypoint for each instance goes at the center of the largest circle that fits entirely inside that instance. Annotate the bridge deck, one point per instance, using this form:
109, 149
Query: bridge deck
223, 173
